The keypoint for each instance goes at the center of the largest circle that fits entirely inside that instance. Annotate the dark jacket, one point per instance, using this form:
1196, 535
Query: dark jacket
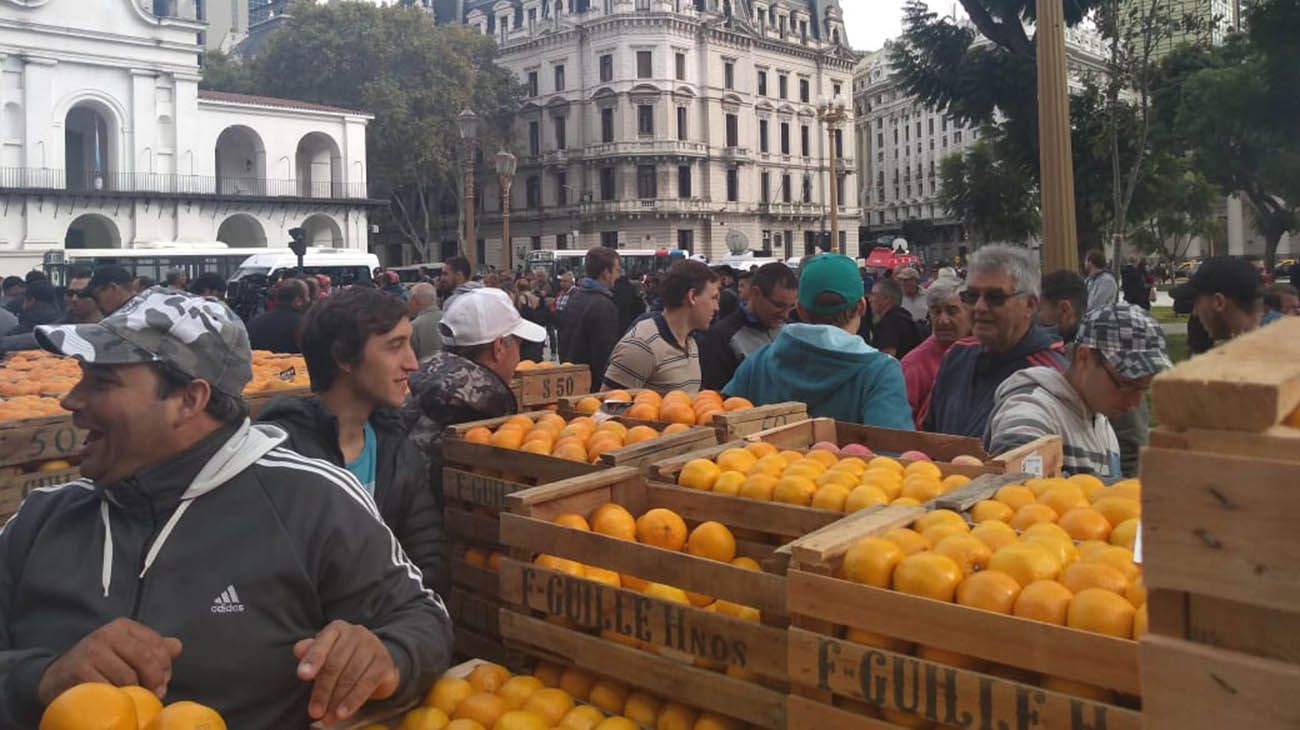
728, 302
727, 343
402, 490
962, 398
896, 330
590, 329
37, 314
276, 330
237, 547
629, 303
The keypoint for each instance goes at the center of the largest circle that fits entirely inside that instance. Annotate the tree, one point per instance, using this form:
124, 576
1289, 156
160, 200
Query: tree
413, 76
1184, 205
988, 195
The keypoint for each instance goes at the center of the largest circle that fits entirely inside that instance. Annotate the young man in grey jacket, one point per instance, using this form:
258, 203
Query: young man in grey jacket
196, 557
1119, 350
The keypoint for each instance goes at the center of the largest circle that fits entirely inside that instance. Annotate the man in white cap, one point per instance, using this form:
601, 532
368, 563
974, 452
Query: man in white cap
913, 298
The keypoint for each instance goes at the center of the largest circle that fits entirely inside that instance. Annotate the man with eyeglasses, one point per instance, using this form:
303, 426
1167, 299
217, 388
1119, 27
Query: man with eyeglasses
1002, 294
770, 297
1119, 350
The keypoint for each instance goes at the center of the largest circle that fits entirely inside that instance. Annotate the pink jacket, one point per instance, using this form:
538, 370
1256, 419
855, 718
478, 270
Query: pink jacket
920, 367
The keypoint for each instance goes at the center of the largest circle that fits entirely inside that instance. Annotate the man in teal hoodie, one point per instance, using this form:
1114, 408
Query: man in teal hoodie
822, 361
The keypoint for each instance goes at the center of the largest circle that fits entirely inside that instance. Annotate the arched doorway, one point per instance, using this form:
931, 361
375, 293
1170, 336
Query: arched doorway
323, 231
241, 231
241, 162
92, 231
319, 166
90, 158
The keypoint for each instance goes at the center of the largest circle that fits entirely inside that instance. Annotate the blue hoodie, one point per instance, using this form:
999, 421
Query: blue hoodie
835, 372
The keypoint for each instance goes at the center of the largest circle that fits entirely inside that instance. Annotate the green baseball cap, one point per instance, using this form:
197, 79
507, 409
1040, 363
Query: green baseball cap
829, 272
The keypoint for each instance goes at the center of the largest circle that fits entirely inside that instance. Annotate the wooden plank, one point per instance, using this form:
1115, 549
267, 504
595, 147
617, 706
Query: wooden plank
803, 713
763, 591
1277, 442
668, 468
654, 449
1221, 526
1042, 457
736, 424
687, 630
827, 544
475, 613
980, 488
692, 686
544, 386
473, 645
467, 526
1249, 383
940, 693
1039, 647
458, 452
40, 439
771, 517
888, 441
474, 579
477, 489
532, 501
1191, 686
15, 488
1257, 630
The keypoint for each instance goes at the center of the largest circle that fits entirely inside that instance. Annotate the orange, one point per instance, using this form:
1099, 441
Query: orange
884, 462
536, 446
1101, 611
903, 719
1015, 496
616, 723
1077, 689
1118, 509
939, 517
463, 724
1137, 593
991, 590
664, 593
699, 474
478, 435
632, 583
934, 533
1044, 600
522, 720
1083, 575
713, 721
1088, 483
602, 575
735, 459
476, 557
447, 693
927, 574
519, 420
147, 705
568, 519
1032, 514
871, 561
488, 677
641, 708
507, 438
186, 715
865, 496
617, 394
613, 427
909, 540
927, 468
823, 457
582, 717
661, 528
560, 565
771, 465
1063, 550
644, 411
922, 489
677, 413
952, 481
729, 483
1131, 488
1116, 557
483, 708
1063, 497
518, 689
759, 449
1026, 562
880, 641
551, 704
613, 520
758, 486
577, 682
746, 563
674, 716
424, 718
601, 443
995, 534
991, 509
549, 674
675, 428
837, 476
1125, 533
1045, 531
712, 540
637, 434
830, 497
795, 490
736, 403
104, 705
608, 695
968, 552
735, 610
1085, 523
1141, 624
572, 451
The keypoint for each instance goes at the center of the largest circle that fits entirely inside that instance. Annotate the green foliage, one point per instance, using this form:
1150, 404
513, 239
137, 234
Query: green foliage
989, 196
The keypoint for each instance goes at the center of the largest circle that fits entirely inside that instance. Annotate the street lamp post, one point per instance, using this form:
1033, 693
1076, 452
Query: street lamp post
833, 111
506, 164
1056, 160
468, 122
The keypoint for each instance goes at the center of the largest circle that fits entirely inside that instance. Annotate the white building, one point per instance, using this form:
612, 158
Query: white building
670, 123
107, 141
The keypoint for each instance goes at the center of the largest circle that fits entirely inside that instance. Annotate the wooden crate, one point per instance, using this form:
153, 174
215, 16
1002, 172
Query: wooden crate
1193, 686
546, 386
15, 487
730, 425
824, 667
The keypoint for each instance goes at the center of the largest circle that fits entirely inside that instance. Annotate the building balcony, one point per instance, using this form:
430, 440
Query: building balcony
637, 148
646, 206
560, 157
736, 154
792, 210
144, 183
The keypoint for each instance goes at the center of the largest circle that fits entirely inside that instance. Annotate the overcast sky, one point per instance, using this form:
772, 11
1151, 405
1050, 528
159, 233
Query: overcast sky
872, 22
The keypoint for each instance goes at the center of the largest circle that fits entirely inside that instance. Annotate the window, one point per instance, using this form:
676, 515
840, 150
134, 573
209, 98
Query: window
686, 239
764, 187
683, 181
680, 61
646, 187
561, 188
606, 183
807, 188
803, 31
609, 239
733, 130
762, 135
560, 141
681, 123
606, 125
534, 138
880, 140
835, 88
785, 138
536, 242
931, 125
607, 67
803, 90
532, 83
762, 83
733, 185
839, 191
561, 241
559, 77
785, 188
805, 144
644, 63
533, 192
782, 86
645, 119
956, 137
729, 75
839, 144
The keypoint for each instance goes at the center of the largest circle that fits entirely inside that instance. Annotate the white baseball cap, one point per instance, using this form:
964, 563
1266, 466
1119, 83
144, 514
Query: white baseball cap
479, 316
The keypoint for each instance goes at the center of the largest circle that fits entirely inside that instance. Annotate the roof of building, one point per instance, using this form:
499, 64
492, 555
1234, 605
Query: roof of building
271, 101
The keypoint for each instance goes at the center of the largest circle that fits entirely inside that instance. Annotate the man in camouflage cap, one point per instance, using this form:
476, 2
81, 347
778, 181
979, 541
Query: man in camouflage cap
194, 543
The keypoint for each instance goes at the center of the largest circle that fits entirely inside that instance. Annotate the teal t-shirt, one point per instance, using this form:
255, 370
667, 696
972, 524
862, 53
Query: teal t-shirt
363, 467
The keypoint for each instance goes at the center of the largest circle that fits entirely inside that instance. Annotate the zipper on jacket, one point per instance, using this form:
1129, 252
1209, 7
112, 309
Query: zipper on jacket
144, 553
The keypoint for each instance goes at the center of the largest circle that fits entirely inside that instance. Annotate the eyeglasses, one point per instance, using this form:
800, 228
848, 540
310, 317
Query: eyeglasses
1123, 386
994, 297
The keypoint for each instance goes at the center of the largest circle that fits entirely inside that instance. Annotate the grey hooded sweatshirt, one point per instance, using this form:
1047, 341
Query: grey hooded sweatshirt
237, 547
1038, 402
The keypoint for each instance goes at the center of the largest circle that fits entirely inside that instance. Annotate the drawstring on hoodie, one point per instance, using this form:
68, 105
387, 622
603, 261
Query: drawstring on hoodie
106, 570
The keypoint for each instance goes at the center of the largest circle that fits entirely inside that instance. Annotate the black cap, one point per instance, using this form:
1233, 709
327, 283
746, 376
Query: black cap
1234, 278
106, 275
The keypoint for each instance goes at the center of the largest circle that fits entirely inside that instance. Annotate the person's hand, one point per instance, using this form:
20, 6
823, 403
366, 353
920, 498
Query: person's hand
121, 653
349, 666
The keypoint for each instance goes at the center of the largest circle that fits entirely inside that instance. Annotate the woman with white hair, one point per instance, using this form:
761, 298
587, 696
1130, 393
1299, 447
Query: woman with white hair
949, 322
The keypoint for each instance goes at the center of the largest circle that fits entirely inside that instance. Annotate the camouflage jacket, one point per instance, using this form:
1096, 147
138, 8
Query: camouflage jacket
449, 389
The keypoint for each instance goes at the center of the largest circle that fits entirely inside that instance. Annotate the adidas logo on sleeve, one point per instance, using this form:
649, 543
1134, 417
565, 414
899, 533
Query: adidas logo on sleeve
227, 602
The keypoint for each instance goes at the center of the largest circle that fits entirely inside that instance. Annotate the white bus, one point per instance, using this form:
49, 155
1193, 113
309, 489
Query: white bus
230, 263
637, 262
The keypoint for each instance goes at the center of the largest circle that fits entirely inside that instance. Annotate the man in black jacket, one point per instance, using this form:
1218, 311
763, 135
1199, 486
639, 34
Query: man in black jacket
772, 294
195, 546
277, 330
358, 352
590, 325
893, 331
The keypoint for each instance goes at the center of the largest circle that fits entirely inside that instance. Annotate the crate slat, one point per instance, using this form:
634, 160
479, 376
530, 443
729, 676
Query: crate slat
1191, 686
806, 714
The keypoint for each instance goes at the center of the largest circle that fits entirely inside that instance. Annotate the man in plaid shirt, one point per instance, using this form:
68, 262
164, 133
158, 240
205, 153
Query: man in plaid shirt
1119, 349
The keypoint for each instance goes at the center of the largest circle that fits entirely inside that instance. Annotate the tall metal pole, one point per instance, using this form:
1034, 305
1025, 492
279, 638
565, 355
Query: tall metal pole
1055, 164
506, 181
835, 206
471, 243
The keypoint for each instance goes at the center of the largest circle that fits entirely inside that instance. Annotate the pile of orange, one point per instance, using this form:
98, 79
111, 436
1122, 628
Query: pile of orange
98, 706
580, 439
566, 698
816, 478
480, 558
526, 365
275, 371
676, 407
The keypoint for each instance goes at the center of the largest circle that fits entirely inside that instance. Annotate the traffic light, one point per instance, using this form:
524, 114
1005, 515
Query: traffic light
298, 244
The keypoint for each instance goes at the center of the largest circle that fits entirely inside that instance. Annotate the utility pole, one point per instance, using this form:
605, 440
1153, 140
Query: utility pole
1055, 163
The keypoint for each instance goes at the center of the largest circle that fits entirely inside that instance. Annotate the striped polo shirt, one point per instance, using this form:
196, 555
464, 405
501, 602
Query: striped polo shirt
649, 356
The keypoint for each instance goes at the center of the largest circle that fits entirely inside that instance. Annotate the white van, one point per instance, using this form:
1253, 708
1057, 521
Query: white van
343, 266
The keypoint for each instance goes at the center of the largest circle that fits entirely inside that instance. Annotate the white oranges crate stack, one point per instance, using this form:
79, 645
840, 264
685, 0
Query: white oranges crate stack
543, 384
733, 417
1219, 545
909, 616
651, 585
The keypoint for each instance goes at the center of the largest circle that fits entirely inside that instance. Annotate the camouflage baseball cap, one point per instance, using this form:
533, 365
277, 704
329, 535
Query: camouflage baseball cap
201, 337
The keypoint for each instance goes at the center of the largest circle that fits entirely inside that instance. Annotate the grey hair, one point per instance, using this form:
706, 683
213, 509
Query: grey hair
890, 288
941, 291
1017, 262
423, 291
